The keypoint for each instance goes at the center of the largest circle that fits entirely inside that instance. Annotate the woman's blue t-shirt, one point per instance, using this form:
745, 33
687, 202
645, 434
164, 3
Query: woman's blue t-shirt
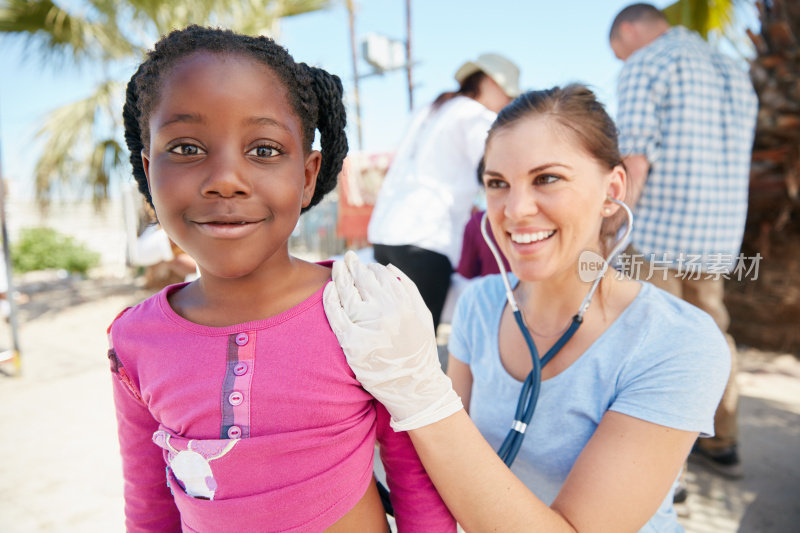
662, 360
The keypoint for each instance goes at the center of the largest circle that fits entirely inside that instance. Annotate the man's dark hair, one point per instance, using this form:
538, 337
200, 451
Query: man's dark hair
635, 13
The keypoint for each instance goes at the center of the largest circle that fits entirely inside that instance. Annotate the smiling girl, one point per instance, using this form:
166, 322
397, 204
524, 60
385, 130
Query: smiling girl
235, 382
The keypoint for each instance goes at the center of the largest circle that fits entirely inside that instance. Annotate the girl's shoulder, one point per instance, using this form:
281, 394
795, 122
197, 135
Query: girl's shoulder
146, 310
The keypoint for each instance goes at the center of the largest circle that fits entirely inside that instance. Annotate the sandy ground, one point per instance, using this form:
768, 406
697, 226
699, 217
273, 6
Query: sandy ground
59, 468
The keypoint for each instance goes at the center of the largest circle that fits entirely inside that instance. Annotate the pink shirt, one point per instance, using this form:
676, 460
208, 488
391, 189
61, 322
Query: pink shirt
262, 426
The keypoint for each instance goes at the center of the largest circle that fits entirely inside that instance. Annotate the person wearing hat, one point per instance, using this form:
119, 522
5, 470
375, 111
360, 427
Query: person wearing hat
426, 198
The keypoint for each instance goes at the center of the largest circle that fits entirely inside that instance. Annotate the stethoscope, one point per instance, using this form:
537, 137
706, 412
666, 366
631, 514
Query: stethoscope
530, 388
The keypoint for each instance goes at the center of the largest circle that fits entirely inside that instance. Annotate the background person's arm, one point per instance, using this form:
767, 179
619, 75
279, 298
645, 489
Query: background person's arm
638, 168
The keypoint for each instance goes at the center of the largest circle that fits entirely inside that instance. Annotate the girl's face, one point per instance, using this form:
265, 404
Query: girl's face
225, 165
546, 197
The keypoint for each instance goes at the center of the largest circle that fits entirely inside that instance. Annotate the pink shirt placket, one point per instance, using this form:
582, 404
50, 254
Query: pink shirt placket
237, 387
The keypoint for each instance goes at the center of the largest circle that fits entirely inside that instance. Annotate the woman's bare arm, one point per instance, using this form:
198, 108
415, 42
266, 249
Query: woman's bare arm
480, 491
616, 485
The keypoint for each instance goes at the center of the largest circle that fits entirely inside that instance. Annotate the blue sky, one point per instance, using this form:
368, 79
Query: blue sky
552, 42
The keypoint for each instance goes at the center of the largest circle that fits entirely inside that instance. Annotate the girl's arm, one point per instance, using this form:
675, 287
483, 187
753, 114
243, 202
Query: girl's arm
149, 506
417, 505
616, 485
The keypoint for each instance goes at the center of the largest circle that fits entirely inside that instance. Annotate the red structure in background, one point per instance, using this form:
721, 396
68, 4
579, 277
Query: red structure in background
359, 182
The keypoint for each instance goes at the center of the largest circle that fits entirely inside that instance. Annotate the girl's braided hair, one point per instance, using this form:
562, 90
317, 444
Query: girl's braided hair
314, 94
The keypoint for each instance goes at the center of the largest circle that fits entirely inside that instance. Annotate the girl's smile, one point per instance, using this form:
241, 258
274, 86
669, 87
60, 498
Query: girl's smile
221, 228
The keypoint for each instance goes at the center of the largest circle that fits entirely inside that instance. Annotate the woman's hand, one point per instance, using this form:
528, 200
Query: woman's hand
386, 332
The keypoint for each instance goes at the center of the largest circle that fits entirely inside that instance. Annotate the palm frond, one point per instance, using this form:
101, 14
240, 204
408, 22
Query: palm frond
290, 8
107, 154
703, 16
58, 32
69, 136
81, 152
252, 17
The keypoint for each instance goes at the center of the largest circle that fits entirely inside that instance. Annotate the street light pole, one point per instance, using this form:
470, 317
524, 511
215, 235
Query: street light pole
12, 305
352, 21
408, 57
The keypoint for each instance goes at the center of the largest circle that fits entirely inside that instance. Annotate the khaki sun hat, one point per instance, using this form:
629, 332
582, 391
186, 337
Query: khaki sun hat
501, 69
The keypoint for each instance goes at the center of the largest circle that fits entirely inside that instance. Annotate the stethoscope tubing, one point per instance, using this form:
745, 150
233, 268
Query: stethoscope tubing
529, 395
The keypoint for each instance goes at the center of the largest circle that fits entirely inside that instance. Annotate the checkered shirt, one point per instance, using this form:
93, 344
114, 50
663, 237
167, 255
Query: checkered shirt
691, 111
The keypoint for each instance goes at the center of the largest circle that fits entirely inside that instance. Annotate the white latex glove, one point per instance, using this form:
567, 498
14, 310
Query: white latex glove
386, 332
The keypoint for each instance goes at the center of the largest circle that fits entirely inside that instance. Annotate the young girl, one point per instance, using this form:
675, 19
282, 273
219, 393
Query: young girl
235, 381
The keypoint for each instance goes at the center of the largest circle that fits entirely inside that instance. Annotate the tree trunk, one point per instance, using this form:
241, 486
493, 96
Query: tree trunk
765, 312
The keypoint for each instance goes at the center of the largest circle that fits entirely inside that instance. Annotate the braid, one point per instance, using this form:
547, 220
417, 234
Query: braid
314, 95
133, 136
331, 121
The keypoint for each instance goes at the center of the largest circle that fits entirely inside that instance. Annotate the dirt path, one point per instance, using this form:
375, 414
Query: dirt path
60, 470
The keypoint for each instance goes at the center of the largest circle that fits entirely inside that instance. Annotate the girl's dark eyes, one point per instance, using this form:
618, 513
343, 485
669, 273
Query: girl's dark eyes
264, 151
186, 149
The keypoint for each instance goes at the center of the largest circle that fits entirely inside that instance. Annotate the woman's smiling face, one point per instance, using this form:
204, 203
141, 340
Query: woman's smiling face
545, 197
226, 166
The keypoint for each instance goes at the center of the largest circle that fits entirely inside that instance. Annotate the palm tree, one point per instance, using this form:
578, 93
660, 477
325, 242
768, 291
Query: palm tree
83, 139
703, 16
764, 311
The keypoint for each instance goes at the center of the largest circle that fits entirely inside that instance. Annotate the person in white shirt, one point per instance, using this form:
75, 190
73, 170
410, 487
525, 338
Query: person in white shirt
426, 198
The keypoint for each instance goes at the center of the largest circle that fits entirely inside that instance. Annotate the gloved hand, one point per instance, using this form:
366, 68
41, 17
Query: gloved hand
386, 332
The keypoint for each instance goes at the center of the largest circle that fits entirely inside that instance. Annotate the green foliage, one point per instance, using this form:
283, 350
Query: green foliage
703, 16
45, 248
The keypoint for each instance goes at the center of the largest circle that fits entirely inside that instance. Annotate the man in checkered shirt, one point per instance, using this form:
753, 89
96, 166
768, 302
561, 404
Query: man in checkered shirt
686, 119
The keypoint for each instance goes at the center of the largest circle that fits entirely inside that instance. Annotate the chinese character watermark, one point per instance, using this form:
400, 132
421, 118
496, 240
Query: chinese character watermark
683, 266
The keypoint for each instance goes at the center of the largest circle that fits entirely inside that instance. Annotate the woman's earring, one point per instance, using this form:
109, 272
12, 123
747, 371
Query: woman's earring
607, 209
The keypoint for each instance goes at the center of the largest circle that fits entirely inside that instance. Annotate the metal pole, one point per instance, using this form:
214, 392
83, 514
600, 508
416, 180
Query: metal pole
408, 57
12, 305
353, 49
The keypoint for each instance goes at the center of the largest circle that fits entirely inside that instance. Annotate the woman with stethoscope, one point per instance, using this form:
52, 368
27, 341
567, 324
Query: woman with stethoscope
629, 377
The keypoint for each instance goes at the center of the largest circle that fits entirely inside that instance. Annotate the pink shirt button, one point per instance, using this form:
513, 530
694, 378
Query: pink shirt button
240, 369
234, 432
235, 398
242, 338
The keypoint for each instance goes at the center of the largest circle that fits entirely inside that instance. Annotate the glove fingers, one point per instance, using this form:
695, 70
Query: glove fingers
388, 282
337, 317
363, 278
349, 295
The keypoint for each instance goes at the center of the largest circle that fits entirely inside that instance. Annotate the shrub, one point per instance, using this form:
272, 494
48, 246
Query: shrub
44, 248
